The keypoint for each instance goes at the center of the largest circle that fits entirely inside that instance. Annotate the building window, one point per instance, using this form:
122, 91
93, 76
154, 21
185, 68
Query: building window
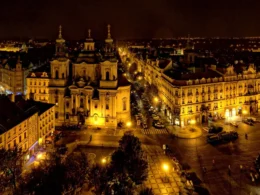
107, 106
24, 135
44, 83
56, 100
197, 108
56, 74
107, 118
67, 116
124, 103
96, 105
67, 104
81, 102
15, 143
63, 76
56, 115
20, 139
9, 147
107, 75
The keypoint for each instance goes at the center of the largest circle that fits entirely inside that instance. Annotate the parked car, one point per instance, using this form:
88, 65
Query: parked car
234, 124
214, 139
228, 136
248, 121
215, 129
158, 125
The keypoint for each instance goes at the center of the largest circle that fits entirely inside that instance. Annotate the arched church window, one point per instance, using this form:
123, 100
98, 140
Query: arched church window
107, 75
56, 74
81, 102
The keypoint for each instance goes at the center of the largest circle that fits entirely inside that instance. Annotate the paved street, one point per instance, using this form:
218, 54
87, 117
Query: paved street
160, 181
240, 152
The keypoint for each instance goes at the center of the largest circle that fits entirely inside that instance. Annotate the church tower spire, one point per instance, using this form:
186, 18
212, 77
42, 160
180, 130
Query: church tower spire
60, 44
60, 32
109, 39
89, 33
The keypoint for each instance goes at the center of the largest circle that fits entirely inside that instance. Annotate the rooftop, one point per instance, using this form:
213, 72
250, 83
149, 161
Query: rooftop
182, 75
12, 114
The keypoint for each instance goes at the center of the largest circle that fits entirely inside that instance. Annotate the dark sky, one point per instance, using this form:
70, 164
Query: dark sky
129, 19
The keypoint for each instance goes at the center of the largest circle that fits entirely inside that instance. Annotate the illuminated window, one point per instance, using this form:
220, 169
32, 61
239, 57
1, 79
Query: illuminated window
124, 103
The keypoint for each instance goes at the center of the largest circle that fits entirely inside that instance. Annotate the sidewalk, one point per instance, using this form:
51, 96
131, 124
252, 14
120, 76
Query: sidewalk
161, 182
189, 132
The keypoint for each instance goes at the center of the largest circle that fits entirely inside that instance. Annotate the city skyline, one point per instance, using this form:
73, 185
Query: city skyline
146, 19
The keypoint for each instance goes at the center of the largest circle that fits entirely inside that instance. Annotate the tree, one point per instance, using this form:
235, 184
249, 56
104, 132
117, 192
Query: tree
10, 168
56, 178
146, 191
136, 166
98, 178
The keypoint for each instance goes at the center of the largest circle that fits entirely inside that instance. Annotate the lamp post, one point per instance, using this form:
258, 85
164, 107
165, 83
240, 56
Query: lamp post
129, 124
165, 168
103, 161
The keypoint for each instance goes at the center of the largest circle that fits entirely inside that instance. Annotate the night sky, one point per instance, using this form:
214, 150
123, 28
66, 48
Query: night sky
129, 19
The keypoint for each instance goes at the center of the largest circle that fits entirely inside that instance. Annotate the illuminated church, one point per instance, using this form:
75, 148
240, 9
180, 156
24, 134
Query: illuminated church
86, 90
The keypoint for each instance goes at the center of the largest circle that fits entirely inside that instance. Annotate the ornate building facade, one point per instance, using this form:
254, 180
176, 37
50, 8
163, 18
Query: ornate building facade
202, 96
88, 89
13, 76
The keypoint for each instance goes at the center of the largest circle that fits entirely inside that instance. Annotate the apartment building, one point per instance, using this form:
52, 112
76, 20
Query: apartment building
25, 124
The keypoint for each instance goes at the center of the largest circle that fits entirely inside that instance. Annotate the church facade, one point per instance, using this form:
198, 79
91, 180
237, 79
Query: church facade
88, 89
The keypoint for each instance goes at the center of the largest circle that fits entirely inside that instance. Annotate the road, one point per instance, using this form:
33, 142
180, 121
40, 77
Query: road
240, 152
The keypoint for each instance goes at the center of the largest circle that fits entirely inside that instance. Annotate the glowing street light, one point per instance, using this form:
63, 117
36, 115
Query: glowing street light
156, 99
104, 161
39, 156
165, 167
129, 124
192, 122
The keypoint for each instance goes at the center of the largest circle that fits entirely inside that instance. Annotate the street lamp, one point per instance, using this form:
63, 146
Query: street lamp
193, 122
129, 124
156, 99
165, 168
104, 161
